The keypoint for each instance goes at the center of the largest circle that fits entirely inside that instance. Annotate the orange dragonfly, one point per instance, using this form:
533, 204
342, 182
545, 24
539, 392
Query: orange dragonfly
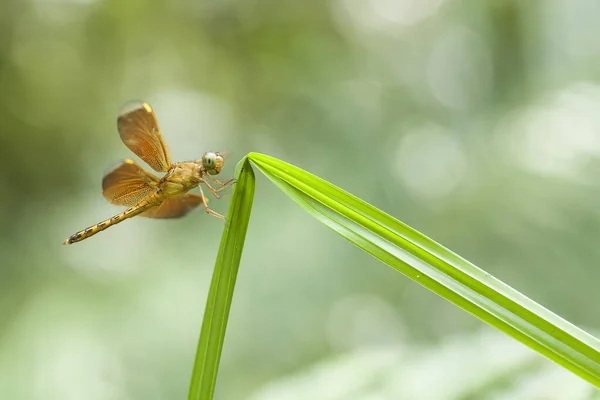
144, 193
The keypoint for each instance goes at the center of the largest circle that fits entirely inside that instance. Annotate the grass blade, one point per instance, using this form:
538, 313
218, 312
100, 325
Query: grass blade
220, 294
438, 269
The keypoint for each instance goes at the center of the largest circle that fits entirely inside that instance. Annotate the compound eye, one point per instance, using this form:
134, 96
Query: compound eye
208, 160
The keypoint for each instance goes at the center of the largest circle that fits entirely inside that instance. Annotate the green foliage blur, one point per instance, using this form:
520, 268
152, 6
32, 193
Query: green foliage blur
477, 123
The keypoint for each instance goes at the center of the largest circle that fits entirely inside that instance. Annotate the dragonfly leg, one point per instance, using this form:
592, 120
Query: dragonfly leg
221, 183
216, 191
207, 209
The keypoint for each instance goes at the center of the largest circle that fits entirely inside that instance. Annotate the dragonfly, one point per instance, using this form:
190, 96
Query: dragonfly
144, 193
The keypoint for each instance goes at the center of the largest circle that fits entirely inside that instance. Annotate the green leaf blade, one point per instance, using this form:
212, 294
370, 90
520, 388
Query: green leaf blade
438, 269
210, 344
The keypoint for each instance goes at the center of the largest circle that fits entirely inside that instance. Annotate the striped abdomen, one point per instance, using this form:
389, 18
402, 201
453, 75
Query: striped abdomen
100, 226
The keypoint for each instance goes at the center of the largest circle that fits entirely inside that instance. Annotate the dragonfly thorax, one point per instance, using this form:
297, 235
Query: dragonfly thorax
182, 177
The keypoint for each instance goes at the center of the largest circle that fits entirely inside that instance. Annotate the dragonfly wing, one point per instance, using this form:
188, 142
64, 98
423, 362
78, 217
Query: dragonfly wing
138, 128
128, 184
174, 207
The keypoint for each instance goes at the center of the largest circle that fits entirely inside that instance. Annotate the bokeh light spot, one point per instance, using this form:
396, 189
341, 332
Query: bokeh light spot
429, 161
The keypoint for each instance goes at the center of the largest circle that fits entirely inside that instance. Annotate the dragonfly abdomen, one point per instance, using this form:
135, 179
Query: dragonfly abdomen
100, 226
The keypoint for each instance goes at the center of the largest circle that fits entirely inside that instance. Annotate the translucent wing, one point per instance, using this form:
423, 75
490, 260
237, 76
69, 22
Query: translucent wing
128, 184
174, 207
139, 131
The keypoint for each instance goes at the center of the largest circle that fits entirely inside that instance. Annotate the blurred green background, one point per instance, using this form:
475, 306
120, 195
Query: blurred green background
475, 122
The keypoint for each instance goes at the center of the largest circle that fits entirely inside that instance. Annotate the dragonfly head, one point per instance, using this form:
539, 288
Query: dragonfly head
212, 162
